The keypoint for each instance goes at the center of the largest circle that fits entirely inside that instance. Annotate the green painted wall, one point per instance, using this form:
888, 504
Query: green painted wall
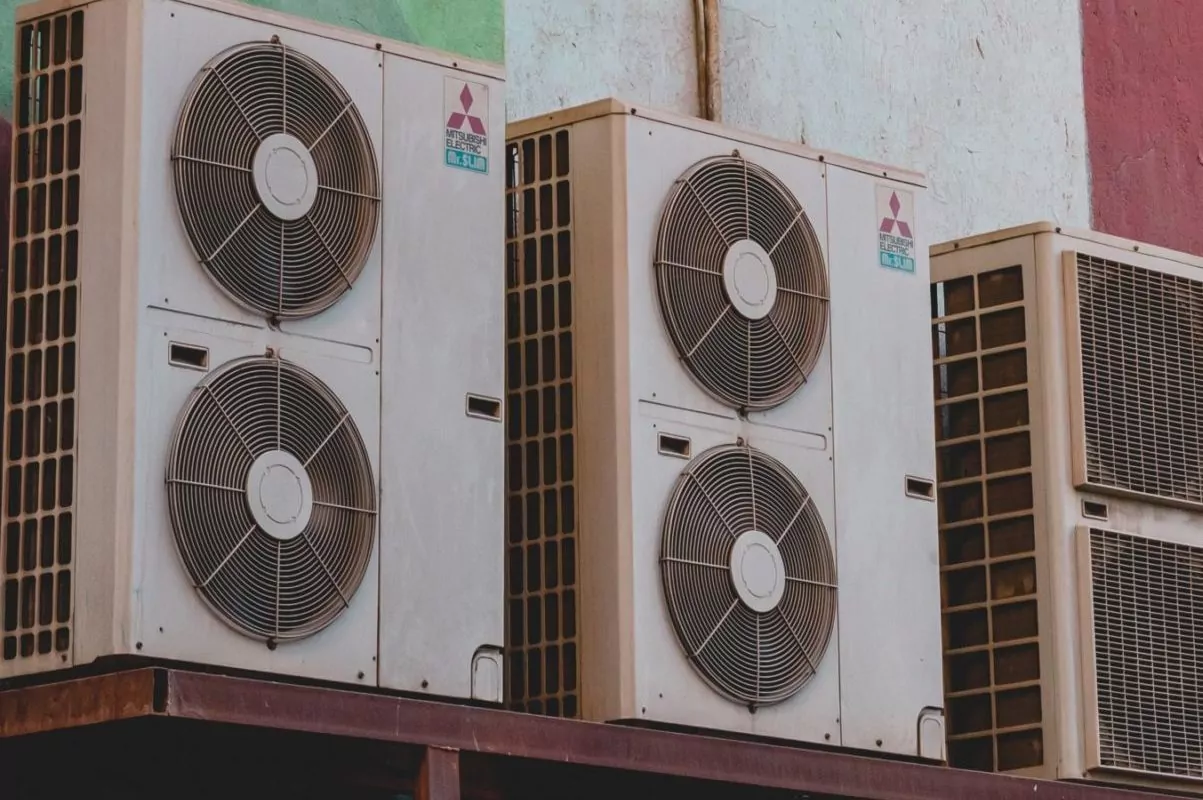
473, 28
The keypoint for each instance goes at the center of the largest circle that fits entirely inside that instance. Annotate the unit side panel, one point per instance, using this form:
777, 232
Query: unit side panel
542, 558
994, 539
884, 462
442, 386
39, 555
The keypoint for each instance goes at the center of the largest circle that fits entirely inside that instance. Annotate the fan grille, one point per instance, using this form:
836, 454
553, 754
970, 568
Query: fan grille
742, 283
264, 585
276, 180
725, 496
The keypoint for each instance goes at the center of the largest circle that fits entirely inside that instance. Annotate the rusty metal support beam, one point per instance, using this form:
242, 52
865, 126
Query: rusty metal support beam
435, 734
438, 777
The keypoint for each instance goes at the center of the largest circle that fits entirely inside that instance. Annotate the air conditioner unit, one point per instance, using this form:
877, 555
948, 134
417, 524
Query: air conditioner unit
240, 429
720, 500
1070, 452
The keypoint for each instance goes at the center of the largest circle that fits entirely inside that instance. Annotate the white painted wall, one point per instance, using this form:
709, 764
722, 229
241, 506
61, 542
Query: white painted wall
984, 97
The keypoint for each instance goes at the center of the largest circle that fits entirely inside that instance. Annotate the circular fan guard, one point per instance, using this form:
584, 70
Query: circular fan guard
276, 179
742, 283
757, 647
296, 579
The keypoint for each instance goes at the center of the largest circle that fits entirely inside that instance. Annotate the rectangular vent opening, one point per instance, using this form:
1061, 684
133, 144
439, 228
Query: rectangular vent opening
920, 488
1141, 335
42, 307
188, 356
675, 446
542, 666
483, 407
983, 491
1148, 653
1094, 510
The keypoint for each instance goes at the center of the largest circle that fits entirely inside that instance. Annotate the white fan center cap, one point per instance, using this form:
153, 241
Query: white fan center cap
279, 494
285, 176
758, 571
750, 279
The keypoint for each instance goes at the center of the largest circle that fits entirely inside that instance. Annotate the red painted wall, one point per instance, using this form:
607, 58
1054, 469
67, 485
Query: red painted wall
1143, 80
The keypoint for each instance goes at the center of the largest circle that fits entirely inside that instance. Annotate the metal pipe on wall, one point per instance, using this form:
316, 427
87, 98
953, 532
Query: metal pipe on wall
705, 13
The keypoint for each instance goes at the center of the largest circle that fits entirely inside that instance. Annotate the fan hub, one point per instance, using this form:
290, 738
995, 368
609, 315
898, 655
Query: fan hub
750, 279
285, 176
757, 571
280, 494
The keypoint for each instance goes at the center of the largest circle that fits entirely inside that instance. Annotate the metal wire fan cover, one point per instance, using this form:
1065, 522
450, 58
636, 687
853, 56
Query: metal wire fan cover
742, 282
748, 574
276, 180
272, 498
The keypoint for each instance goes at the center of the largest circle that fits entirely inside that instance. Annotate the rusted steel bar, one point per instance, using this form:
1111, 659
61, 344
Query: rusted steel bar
430, 724
72, 704
438, 776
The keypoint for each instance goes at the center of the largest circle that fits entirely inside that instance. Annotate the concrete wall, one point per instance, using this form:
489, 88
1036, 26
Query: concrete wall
984, 97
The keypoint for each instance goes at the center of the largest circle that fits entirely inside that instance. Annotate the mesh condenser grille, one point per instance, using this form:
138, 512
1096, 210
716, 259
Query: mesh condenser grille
1141, 336
987, 522
1147, 602
40, 357
541, 525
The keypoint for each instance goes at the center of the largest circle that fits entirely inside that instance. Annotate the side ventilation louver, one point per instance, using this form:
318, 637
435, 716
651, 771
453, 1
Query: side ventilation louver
40, 349
1147, 626
987, 521
543, 661
1141, 358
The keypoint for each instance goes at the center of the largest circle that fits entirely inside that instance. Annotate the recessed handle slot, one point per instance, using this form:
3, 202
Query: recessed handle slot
1094, 510
188, 356
483, 407
920, 488
674, 446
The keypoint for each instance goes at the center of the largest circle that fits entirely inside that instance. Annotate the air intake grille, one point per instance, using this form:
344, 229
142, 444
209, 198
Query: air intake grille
987, 522
541, 524
1147, 601
1142, 379
43, 308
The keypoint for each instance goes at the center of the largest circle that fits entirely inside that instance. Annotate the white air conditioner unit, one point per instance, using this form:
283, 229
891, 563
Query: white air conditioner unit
720, 495
241, 429
1070, 455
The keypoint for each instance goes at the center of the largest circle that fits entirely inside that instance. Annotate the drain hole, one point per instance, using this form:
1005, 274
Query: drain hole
675, 446
484, 407
188, 356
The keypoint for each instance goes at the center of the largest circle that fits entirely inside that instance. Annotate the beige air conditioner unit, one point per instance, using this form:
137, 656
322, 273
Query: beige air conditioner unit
720, 483
239, 432
1069, 420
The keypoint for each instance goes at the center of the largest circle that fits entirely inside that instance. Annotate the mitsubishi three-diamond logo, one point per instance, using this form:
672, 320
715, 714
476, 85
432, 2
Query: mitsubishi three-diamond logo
895, 233
466, 137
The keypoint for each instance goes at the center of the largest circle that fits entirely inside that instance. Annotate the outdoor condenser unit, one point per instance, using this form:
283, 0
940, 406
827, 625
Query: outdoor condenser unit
1069, 416
239, 430
720, 487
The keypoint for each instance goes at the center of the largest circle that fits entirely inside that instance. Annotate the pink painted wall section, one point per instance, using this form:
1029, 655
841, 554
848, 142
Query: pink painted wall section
1142, 67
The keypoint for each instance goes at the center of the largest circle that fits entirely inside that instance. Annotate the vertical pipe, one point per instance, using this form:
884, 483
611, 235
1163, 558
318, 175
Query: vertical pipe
705, 15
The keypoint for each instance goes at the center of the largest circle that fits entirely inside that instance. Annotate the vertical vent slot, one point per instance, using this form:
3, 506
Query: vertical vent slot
1141, 335
987, 521
41, 347
1148, 653
542, 645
